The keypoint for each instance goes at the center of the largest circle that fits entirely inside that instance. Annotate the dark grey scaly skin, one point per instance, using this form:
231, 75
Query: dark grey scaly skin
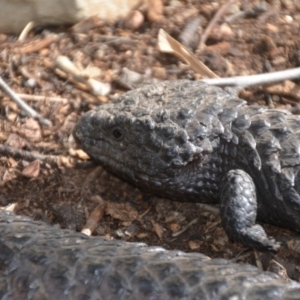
191, 142
41, 262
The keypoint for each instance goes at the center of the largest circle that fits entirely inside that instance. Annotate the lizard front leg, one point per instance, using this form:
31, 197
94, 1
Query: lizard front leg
238, 208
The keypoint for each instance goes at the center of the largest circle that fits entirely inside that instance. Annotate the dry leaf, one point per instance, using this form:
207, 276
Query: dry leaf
169, 45
9, 207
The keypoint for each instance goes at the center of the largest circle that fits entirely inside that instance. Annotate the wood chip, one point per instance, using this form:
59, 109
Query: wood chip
94, 218
158, 229
32, 170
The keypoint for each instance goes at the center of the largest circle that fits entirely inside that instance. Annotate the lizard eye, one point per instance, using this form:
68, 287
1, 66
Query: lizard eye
118, 133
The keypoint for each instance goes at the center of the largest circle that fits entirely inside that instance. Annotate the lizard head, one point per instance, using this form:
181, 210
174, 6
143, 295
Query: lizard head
151, 133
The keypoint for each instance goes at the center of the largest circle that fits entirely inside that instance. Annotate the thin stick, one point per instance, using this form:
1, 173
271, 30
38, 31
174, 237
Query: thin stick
175, 234
213, 22
31, 156
259, 79
28, 110
36, 46
94, 218
42, 98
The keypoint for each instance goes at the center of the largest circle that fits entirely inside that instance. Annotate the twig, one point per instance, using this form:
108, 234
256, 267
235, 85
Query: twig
212, 23
42, 98
116, 40
25, 31
94, 218
212, 208
28, 110
96, 87
63, 75
258, 260
259, 79
252, 12
31, 156
38, 45
175, 234
242, 255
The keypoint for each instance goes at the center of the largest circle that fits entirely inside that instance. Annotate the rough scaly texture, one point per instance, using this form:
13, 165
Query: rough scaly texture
40, 262
191, 142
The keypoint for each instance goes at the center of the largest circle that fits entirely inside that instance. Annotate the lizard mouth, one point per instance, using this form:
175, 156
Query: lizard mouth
105, 154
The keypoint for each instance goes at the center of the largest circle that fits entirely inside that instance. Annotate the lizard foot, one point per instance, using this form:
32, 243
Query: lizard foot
238, 209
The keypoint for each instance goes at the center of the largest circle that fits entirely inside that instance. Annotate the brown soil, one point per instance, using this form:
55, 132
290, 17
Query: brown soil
256, 42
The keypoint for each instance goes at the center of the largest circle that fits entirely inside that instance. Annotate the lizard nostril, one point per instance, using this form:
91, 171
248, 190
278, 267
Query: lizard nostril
94, 121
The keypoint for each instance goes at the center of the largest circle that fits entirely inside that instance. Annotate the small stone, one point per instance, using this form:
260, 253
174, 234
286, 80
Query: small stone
225, 30
159, 72
174, 227
288, 19
134, 20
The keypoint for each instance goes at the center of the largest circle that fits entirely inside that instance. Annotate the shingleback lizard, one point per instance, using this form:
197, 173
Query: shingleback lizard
192, 142
41, 262
183, 140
